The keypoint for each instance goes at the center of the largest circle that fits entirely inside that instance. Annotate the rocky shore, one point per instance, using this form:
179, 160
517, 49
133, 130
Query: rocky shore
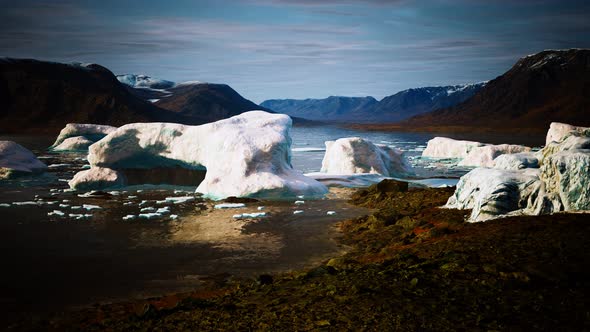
412, 266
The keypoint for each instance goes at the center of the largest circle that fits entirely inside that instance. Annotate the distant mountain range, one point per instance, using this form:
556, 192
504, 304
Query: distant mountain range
553, 85
399, 106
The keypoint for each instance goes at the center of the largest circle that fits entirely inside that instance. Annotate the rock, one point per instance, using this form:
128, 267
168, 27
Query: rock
516, 161
355, 155
492, 192
77, 143
558, 131
388, 186
90, 132
248, 155
443, 147
97, 178
16, 160
484, 156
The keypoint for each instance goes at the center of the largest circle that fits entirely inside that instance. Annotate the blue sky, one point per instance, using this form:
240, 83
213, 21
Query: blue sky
296, 49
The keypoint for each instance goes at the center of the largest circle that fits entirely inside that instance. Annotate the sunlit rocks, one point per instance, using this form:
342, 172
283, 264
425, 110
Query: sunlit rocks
354, 155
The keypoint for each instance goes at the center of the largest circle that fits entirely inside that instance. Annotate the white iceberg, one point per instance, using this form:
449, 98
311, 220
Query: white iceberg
484, 156
558, 131
561, 181
245, 155
444, 147
354, 155
83, 133
249, 215
17, 160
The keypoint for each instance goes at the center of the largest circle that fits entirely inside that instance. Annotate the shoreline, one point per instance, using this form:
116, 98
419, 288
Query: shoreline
412, 266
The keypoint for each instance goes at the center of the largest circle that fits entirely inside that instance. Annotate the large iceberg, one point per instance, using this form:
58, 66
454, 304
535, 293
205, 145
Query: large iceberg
354, 155
557, 178
79, 136
245, 155
17, 160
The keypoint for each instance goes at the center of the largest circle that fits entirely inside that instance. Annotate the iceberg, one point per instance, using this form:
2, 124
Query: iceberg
79, 136
248, 155
484, 156
444, 147
16, 160
354, 155
555, 179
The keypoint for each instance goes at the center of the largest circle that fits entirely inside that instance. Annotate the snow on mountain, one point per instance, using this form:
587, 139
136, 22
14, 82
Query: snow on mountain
144, 81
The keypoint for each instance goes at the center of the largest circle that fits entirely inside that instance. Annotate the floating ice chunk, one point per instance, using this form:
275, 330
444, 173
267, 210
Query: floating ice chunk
25, 203
129, 217
80, 216
64, 205
260, 208
331, 213
249, 215
131, 196
299, 202
65, 200
301, 196
150, 215
230, 205
63, 180
173, 216
56, 213
82, 136
76, 207
142, 203
178, 200
91, 207
298, 212
16, 159
148, 209
49, 203
59, 165
163, 210
128, 203
115, 193
52, 190
139, 191
4, 205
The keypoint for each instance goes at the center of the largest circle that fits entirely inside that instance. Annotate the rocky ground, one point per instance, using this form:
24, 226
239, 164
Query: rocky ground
412, 266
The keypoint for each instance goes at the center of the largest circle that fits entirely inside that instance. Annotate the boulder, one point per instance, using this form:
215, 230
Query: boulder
17, 160
90, 132
516, 161
248, 155
443, 147
483, 156
354, 155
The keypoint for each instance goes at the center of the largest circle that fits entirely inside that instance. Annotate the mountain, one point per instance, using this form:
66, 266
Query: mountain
193, 102
144, 81
332, 108
550, 86
399, 106
39, 96
411, 102
42, 97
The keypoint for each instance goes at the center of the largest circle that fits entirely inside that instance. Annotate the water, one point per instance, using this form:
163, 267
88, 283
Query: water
54, 262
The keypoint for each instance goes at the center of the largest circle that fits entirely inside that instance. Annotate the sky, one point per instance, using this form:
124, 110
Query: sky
274, 49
